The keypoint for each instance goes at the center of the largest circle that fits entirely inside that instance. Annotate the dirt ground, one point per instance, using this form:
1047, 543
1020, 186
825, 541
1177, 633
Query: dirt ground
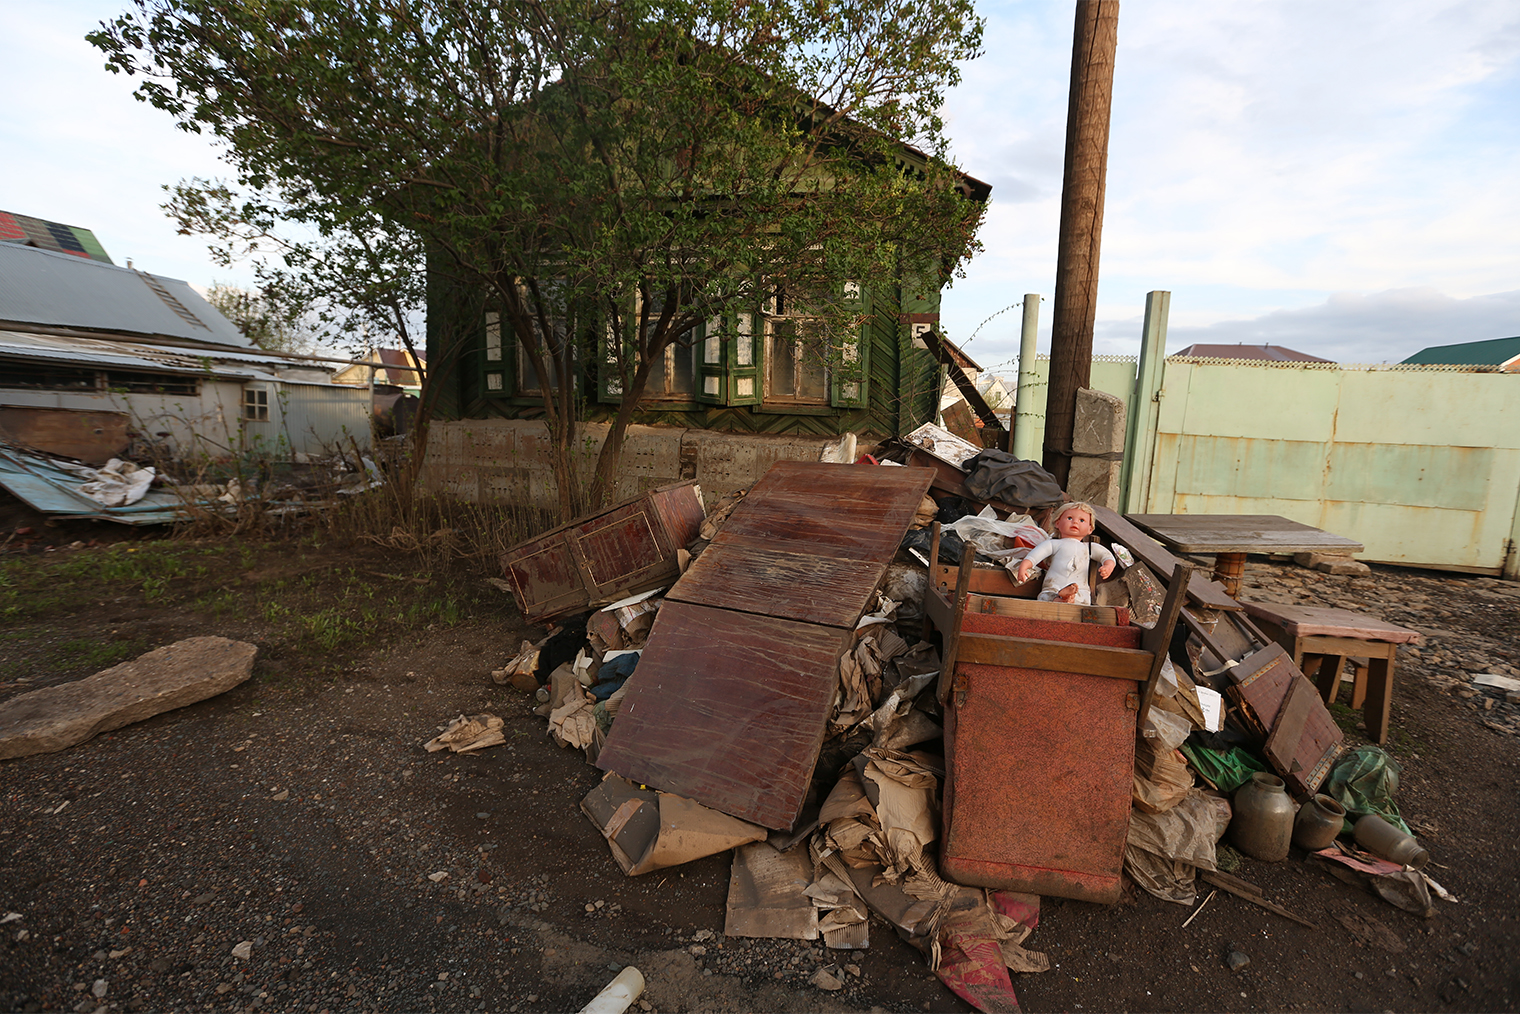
299, 814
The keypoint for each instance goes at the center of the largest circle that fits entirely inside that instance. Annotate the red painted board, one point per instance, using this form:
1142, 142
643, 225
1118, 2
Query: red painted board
728, 709
794, 586
1040, 768
849, 511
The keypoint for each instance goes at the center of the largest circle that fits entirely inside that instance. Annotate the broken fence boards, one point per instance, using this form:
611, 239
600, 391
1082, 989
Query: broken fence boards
729, 705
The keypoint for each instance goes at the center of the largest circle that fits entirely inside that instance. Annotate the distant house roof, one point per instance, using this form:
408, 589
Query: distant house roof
55, 236
1493, 352
44, 289
1254, 353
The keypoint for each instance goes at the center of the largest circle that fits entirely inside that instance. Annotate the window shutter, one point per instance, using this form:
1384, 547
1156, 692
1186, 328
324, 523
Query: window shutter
744, 361
712, 374
849, 354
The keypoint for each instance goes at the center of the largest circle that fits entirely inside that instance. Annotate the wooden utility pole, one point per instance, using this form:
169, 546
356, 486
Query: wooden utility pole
1092, 84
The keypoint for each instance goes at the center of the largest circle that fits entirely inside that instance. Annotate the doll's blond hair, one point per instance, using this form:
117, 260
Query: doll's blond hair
1079, 505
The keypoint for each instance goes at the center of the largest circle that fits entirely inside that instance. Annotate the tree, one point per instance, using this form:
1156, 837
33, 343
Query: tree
261, 319
605, 175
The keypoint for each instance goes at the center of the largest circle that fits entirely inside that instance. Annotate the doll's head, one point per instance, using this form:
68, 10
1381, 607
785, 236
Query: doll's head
1074, 521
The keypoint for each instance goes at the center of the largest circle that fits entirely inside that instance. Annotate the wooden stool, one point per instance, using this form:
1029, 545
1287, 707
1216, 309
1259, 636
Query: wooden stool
1320, 639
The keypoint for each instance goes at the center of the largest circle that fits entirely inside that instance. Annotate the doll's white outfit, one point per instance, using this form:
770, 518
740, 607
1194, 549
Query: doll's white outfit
1069, 560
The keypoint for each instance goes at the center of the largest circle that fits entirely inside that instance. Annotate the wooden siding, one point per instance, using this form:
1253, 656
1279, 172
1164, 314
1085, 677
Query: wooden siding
902, 392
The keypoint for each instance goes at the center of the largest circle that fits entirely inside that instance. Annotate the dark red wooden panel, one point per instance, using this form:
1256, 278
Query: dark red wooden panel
1040, 766
728, 709
731, 695
851, 511
793, 586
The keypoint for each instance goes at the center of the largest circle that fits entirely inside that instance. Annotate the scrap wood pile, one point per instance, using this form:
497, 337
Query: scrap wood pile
781, 680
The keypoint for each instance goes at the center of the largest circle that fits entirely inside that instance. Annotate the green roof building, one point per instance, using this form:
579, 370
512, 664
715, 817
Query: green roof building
1501, 352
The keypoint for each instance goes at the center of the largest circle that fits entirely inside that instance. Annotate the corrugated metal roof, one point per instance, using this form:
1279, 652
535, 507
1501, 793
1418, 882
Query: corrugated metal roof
100, 352
1494, 352
1252, 353
59, 290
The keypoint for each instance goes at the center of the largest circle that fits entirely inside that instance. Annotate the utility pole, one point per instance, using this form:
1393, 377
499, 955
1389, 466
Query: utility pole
1076, 299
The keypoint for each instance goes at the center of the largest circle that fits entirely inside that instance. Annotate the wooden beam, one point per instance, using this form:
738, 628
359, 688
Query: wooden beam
1056, 656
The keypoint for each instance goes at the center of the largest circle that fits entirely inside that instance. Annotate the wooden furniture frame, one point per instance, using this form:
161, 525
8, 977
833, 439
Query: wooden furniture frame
1231, 536
1322, 657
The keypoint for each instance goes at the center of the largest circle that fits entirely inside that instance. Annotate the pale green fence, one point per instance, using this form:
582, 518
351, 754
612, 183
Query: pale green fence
1420, 464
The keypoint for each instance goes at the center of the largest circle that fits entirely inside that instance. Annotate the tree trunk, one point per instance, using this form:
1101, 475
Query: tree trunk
1076, 298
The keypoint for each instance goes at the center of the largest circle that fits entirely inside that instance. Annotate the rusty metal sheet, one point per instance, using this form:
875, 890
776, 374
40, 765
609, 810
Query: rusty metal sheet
728, 709
627, 548
732, 693
1039, 769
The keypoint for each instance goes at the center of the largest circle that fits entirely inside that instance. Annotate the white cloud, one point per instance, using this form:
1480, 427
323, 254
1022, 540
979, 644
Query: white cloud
1265, 159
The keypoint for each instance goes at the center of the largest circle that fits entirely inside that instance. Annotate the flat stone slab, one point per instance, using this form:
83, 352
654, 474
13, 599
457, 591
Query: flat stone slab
56, 718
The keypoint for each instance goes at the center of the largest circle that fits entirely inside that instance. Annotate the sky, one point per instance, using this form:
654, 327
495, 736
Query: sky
1332, 176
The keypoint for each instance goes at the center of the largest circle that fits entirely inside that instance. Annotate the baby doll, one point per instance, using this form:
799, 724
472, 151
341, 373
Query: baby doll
1066, 580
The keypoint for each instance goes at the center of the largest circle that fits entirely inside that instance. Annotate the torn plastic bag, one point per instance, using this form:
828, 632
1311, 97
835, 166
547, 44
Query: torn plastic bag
998, 475
1364, 781
1403, 888
950, 545
1003, 541
1226, 770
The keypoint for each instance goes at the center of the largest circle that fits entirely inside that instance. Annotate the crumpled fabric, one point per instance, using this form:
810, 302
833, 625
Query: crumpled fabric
118, 484
999, 475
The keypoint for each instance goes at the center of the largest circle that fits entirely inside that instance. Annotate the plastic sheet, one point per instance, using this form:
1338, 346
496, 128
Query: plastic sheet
1162, 777
1228, 769
1364, 781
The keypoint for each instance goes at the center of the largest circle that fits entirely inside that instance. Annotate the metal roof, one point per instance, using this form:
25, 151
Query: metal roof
101, 352
1494, 352
69, 239
1252, 353
48, 289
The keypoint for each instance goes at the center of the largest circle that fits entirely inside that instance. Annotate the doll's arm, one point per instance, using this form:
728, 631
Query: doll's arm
1035, 555
1100, 553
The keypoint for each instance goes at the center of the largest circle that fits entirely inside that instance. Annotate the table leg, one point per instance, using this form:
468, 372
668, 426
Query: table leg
1227, 570
1379, 698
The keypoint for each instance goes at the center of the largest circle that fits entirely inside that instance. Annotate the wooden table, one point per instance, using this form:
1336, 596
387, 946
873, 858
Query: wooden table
1231, 536
1320, 639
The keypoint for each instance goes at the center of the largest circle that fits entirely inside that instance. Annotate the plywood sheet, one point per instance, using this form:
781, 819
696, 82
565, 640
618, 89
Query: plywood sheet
729, 709
731, 696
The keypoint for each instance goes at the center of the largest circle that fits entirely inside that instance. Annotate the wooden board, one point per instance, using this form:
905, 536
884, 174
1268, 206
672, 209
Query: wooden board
728, 709
1265, 683
1323, 621
1241, 533
773, 582
849, 511
729, 704
1150, 552
627, 548
89, 436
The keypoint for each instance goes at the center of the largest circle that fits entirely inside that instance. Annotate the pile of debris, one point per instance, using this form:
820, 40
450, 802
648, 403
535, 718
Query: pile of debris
778, 678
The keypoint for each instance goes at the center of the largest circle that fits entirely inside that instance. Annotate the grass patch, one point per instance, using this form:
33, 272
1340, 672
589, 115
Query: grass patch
321, 606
